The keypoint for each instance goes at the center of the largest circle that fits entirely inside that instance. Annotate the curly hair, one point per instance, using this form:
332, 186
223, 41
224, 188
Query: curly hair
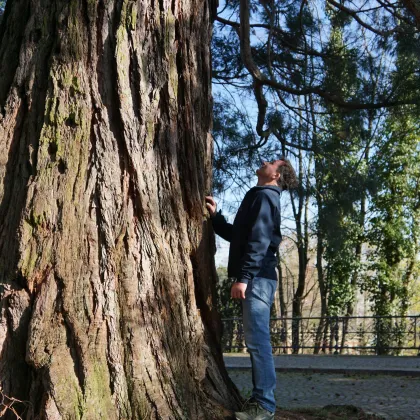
288, 179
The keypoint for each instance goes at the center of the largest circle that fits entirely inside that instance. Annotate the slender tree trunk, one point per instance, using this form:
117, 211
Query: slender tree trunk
107, 279
277, 304
282, 309
300, 289
320, 337
358, 251
322, 326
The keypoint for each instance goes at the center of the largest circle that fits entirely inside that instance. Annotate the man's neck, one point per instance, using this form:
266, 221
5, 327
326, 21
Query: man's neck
266, 184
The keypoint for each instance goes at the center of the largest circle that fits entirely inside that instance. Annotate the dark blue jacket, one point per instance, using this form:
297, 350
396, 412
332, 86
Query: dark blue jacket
254, 236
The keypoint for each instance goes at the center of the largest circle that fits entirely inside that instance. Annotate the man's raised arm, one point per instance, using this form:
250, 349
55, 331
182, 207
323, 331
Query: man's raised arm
220, 225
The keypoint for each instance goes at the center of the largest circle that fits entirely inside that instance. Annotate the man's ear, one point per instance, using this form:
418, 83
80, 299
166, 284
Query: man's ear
276, 176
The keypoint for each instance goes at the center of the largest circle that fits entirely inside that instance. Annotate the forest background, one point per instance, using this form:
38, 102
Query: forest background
334, 87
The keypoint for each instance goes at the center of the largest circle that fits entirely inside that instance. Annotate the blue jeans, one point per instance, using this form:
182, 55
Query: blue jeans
259, 296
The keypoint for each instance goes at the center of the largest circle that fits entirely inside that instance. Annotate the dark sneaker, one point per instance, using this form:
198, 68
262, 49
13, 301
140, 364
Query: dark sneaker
253, 411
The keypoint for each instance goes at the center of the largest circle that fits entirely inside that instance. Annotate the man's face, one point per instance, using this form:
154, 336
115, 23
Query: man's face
268, 170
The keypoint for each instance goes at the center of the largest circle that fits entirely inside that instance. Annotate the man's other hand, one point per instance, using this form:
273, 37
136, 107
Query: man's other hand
211, 205
238, 290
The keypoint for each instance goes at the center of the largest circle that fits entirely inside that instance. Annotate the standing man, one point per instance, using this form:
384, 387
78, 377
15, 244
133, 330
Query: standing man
254, 239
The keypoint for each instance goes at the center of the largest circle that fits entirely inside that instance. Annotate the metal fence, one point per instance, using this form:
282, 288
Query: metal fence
380, 335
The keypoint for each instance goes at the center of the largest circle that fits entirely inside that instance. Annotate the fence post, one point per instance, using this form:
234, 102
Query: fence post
229, 331
295, 335
331, 339
336, 334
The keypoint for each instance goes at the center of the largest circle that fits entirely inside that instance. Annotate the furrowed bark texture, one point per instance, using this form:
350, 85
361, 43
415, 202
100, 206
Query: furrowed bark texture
106, 257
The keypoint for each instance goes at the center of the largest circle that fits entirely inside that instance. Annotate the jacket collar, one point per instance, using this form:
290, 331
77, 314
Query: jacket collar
270, 187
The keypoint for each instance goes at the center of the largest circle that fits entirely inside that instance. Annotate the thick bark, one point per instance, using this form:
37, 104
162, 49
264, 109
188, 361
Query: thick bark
106, 258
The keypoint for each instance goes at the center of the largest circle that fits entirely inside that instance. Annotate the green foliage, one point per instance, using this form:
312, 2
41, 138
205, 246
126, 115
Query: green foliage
341, 186
394, 232
226, 60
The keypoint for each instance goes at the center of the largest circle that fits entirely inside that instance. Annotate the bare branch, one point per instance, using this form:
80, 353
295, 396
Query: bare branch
278, 32
282, 140
7, 403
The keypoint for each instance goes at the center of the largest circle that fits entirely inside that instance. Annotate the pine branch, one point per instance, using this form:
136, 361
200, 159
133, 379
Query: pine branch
261, 80
354, 15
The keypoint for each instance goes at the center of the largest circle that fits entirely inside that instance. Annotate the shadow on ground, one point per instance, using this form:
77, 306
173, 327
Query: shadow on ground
332, 412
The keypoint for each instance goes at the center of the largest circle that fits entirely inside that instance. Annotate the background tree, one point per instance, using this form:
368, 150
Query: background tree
107, 279
394, 203
339, 181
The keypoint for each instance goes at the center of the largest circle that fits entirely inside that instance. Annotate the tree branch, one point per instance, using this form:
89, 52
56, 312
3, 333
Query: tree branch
260, 79
278, 32
282, 140
353, 14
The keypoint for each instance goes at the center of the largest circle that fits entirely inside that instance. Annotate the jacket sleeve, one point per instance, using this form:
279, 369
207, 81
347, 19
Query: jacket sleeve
222, 227
261, 221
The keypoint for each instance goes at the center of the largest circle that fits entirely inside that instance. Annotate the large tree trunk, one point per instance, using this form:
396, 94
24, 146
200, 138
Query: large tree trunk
106, 258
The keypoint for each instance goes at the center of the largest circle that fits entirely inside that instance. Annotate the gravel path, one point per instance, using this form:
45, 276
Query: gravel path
393, 397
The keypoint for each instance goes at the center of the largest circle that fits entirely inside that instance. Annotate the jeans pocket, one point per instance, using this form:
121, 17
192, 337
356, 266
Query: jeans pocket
263, 290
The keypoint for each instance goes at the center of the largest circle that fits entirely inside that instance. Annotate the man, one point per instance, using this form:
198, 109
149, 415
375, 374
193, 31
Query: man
254, 239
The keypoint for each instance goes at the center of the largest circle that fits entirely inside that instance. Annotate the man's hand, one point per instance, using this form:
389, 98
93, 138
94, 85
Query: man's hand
238, 290
211, 205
